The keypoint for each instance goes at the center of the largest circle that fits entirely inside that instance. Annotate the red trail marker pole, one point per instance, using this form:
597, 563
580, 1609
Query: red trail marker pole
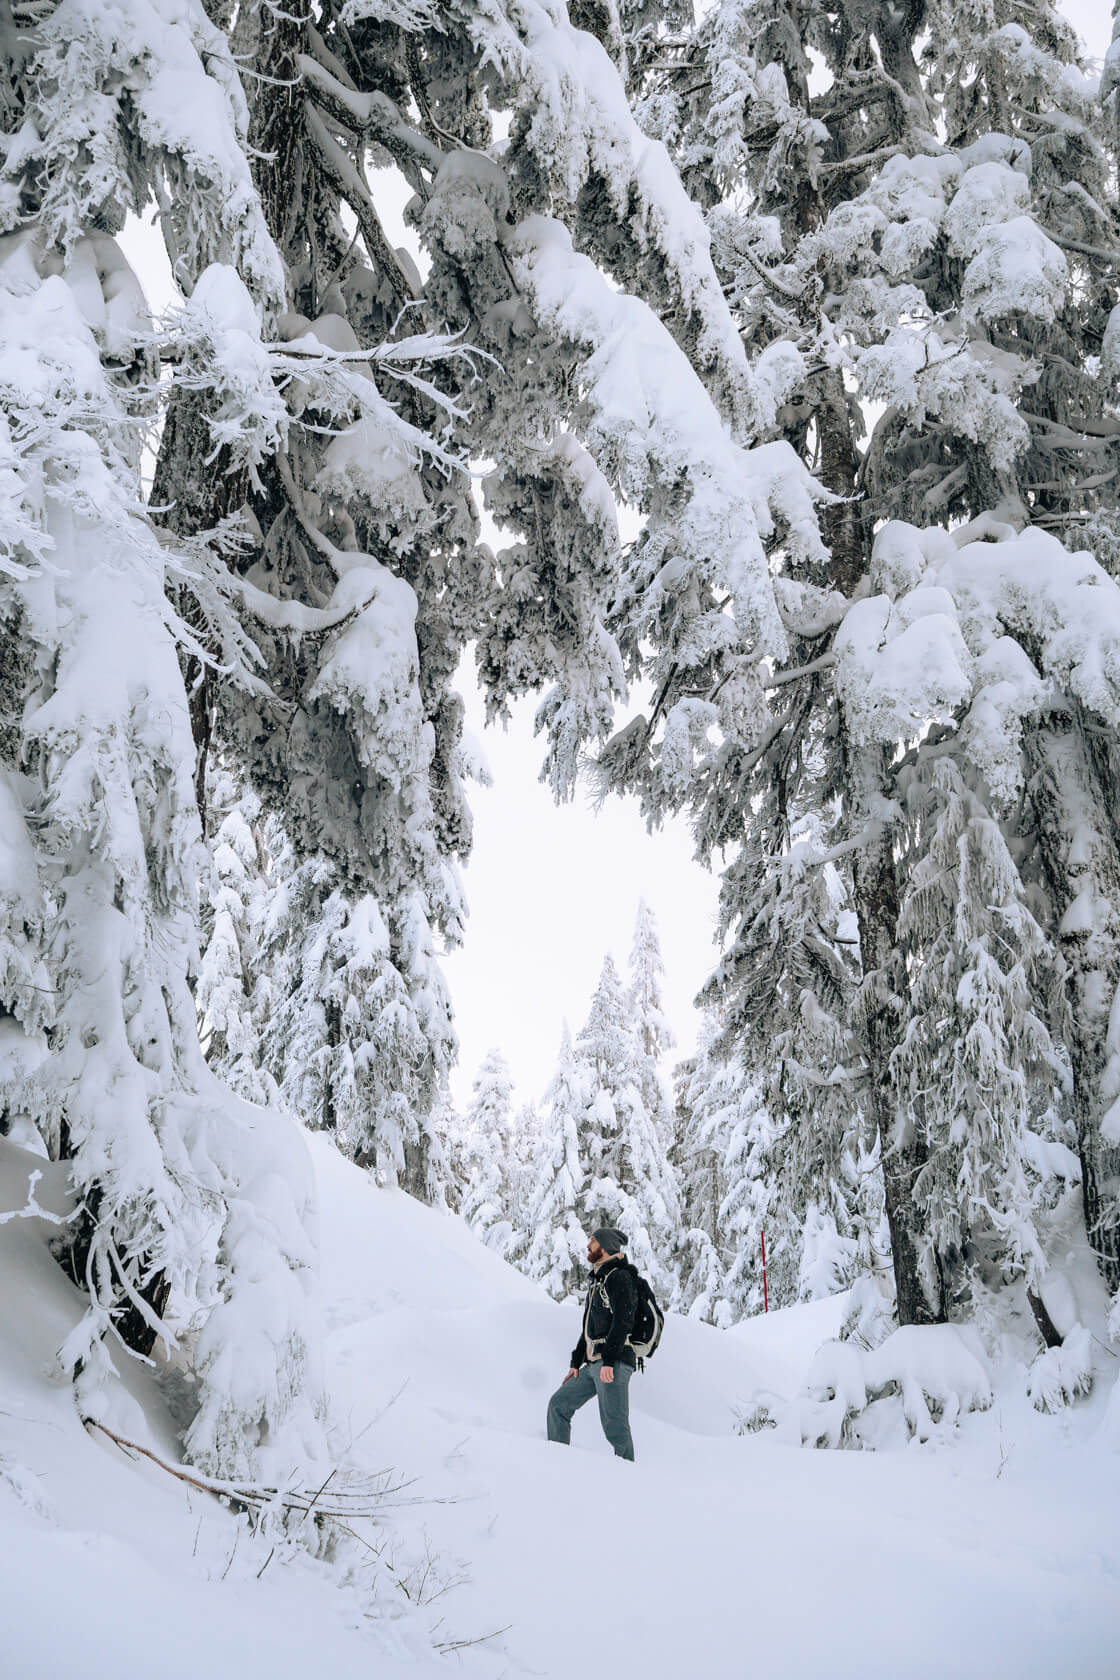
765, 1298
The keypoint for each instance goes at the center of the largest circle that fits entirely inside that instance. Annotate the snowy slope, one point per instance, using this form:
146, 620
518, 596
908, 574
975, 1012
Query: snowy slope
111, 1567
994, 1553
727, 1554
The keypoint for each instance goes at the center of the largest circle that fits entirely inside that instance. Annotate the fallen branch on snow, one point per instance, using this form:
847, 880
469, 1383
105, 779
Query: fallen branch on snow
365, 1497
32, 1210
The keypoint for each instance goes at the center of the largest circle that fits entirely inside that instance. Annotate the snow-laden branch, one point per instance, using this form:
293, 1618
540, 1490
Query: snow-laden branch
651, 423
582, 129
947, 640
779, 678
32, 1210
371, 115
162, 80
351, 185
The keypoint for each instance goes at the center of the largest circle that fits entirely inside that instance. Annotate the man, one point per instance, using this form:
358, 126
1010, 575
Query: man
603, 1360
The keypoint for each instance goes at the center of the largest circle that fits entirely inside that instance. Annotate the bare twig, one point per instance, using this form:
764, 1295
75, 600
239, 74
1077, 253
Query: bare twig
446, 1645
233, 1554
364, 1500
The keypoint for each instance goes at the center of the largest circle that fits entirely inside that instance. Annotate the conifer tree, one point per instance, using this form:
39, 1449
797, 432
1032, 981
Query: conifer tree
703, 1100
629, 1178
192, 1201
556, 1239
653, 1033
928, 228
975, 956
228, 1029
487, 1162
525, 1148
647, 969
733, 1155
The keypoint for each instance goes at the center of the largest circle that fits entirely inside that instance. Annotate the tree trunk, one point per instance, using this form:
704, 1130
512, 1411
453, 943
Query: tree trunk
866, 782
276, 128
197, 493
1082, 866
133, 1326
414, 1177
842, 525
918, 1288
1046, 1329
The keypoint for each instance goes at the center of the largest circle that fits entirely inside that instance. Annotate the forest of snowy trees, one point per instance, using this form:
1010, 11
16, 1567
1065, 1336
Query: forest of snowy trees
827, 298
693, 1171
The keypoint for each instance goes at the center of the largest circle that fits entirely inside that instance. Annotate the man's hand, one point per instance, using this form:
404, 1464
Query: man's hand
608, 1373
572, 1373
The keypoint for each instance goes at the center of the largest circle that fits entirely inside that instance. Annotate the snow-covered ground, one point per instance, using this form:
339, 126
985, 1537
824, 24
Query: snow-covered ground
992, 1551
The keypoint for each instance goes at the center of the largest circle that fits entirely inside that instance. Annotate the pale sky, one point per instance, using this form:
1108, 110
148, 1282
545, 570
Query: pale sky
551, 890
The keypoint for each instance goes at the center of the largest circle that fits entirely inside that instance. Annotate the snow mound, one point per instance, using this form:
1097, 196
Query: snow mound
933, 1374
1062, 1373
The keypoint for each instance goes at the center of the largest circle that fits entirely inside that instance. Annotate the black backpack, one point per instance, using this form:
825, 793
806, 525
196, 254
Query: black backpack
649, 1320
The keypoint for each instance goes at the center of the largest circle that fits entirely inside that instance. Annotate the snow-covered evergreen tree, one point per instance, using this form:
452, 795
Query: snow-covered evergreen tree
197, 1221
525, 1146
974, 952
1016, 619
647, 969
630, 1181
740, 1180
925, 224
556, 1240
653, 1033
487, 1163
705, 1095
339, 1031
228, 1028
788, 994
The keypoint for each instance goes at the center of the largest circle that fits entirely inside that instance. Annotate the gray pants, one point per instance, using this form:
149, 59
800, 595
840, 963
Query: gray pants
614, 1406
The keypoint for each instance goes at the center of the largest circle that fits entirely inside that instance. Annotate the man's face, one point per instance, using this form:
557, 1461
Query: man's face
594, 1252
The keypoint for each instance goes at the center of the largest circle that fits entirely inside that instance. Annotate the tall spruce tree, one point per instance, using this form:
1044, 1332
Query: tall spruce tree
228, 1027
630, 1181
974, 1038
193, 1203
705, 1094
555, 1238
924, 225
487, 1163
653, 1033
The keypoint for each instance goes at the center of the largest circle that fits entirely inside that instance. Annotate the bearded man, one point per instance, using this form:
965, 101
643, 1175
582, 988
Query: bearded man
603, 1360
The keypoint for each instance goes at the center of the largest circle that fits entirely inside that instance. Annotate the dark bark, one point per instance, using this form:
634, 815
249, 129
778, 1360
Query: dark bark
132, 1325
193, 493
866, 781
1042, 1318
842, 524
414, 1177
919, 1299
1081, 861
277, 128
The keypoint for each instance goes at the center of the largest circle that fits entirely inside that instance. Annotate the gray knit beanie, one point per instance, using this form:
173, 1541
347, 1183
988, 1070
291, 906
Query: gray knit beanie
612, 1241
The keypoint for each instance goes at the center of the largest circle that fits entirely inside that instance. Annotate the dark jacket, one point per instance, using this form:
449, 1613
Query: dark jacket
608, 1315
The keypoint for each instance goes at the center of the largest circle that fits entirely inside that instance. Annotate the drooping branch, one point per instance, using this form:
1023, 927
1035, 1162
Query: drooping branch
370, 115
350, 185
